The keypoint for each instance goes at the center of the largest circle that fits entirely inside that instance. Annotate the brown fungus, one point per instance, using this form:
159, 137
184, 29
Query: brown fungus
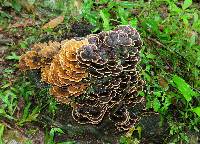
111, 60
99, 72
59, 67
40, 55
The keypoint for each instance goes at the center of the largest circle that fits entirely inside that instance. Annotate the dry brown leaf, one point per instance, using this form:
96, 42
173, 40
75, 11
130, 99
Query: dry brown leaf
162, 82
54, 22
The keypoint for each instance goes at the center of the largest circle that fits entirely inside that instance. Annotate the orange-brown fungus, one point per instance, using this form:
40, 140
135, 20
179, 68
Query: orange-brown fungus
40, 55
59, 67
30, 60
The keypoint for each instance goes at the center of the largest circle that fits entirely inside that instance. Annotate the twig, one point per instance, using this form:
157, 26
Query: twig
6, 124
11, 126
156, 41
162, 45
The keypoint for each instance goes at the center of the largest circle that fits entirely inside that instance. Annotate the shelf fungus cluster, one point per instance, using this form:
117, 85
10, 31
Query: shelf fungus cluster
96, 75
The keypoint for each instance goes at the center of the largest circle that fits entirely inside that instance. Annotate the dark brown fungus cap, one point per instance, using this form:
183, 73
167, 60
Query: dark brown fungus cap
90, 53
93, 39
89, 114
133, 34
112, 68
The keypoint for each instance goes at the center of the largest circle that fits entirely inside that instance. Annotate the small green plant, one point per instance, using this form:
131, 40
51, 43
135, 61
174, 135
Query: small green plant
8, 99
196, 110
184, 88
49, 137
2, 127
13, 56
29, 116
107, 14
129, 139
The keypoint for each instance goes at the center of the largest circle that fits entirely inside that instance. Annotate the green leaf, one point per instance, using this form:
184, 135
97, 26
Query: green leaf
151, 56
58, 130
104, 1
156, 105
34, 114
3, 113
152, 24
87, 12
16, 5
106, 20
123, 15
197, 110
123, 140
174, 8
26, 111
126, 4
186, 4
4, 14
23, 45
184, 88
157, 94
1, 133
133, 22
192, 40
92, 18
147, 76
6, 86
196, 17
185, 20
13, 56
29, 116
53, 131
196, 26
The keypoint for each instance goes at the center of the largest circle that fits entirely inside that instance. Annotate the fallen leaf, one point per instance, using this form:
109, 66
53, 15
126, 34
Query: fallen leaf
54, 22
162, 82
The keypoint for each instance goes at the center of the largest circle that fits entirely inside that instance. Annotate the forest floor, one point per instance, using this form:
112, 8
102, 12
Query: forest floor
170, 66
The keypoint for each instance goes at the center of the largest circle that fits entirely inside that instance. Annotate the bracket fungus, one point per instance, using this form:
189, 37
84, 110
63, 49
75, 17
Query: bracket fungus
96, 75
